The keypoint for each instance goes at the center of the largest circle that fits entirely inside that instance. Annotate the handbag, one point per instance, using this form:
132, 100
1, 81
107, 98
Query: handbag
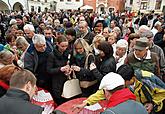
86, 84
71, 87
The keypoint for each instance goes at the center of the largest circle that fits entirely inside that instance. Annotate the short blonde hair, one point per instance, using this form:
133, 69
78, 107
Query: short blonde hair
99, 38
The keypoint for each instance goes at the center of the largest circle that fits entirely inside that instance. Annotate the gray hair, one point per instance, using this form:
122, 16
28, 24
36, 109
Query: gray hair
157, 23
39, 39
143, 29
29, 27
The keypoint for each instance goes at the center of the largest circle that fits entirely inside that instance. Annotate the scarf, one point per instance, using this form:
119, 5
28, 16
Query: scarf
120, 96
4, 85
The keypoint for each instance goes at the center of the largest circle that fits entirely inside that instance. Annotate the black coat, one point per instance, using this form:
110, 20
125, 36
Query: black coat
18, 102
55, 61
84, 74
105, 66
36, 63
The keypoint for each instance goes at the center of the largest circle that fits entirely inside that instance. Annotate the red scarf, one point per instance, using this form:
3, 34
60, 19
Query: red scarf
4, 85
120, 96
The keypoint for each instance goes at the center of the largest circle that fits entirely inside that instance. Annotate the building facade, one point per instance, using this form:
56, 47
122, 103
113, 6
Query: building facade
145, 5
68, 4
24, 5
106, 6
91, 3
8, 5
38, 5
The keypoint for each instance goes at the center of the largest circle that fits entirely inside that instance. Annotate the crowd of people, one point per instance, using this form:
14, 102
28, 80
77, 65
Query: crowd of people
43, 49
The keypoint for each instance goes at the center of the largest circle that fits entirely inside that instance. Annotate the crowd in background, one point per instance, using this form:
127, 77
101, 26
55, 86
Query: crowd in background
53, 45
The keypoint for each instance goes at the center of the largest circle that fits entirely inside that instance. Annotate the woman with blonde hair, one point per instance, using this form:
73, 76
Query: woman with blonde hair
6, 58
96, 41
82, 58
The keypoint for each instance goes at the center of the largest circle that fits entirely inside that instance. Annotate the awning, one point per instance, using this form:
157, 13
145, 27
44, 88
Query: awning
86, 7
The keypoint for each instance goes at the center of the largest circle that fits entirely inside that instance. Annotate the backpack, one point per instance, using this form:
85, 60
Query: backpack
151, 85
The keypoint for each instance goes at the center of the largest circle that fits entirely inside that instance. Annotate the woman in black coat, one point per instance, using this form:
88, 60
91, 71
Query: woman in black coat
107, 61
58, 68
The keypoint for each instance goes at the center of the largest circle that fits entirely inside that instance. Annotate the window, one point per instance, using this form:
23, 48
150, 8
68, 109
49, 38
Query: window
131, 2
158, 4
69, 0
77, 0
144, 5
39, 9
32, 8
102, 9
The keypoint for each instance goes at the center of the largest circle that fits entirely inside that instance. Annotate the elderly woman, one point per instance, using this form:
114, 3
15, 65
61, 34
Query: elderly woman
6, 58
121, 52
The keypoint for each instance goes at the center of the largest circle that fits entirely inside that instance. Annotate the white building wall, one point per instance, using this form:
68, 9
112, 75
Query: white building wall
4, 4
65, 5
11, 3
22, 2
37, 4
163, 4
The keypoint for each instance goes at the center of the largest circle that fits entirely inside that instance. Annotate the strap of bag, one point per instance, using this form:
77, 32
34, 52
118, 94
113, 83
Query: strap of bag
73, 76
86, 60
146, 93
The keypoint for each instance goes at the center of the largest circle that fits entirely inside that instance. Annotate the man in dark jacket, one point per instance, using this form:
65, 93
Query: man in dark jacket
120, 100
17, 98
85, 33
35, 60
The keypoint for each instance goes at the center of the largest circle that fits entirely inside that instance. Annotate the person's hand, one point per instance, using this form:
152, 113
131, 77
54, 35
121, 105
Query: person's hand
149, 107
76, 68
65, 68
78, 107
47, 109
92, 66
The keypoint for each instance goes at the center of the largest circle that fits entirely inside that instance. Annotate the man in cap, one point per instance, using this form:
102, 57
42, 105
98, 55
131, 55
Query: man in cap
120, 100
156, 49
142, 58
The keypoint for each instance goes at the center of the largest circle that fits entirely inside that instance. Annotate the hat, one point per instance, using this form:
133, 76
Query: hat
111, 81
147, 34
141, 43
122, 43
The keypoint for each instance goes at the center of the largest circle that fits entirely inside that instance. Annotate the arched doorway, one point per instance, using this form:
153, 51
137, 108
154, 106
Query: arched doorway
3, 6
101, 9
18, 7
